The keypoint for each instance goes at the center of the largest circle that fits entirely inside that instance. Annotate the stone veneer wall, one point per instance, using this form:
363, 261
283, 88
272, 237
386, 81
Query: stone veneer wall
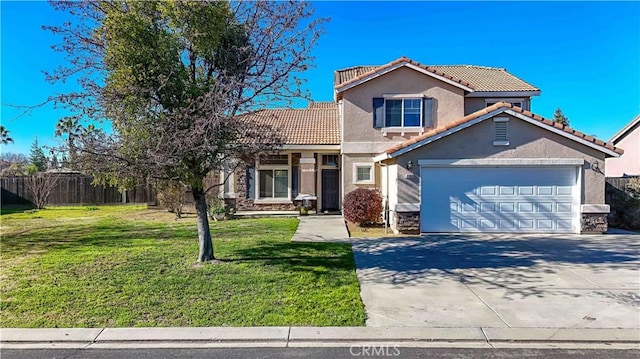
409, 222
406, 222
242, 203
594, 223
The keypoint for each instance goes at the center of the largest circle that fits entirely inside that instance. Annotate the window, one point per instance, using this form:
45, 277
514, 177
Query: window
330, 160
513, 101
228, 179
403, 113
363, 173
396, 111
273, 178
274, 183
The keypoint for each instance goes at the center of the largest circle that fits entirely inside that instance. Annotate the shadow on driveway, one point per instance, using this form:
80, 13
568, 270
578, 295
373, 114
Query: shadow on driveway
521, 263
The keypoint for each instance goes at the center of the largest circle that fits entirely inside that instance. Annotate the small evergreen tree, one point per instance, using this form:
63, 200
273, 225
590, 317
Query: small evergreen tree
37, 157
559, 117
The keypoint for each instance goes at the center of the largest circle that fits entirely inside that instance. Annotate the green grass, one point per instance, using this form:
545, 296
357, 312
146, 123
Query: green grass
120, 266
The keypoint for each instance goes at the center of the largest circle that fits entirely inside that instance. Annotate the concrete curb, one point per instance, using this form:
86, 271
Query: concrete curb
210, 337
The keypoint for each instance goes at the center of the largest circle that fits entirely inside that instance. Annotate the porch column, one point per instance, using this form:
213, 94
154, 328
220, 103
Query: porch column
307, 173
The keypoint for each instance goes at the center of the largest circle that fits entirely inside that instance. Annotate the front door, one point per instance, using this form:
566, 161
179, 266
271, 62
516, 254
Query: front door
330, 185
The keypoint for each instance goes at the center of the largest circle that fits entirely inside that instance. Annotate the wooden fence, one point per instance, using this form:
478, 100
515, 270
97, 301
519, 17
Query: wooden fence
625, 208
72, 189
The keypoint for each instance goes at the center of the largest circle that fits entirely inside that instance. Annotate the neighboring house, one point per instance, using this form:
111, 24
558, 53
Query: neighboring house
628, 138
451, 148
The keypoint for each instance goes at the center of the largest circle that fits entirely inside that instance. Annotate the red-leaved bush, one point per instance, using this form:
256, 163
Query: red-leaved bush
362, 206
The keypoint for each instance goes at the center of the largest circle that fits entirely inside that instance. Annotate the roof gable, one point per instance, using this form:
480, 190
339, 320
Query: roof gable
627, 129
490, 112
367, 73
480, 79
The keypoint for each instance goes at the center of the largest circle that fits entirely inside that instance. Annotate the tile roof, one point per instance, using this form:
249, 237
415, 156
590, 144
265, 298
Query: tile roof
478, 78
322, 105
486, 78
317, 125
505, 106
403, 60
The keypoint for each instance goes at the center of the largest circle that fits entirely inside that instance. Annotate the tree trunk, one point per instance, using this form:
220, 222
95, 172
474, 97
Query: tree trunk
204, 233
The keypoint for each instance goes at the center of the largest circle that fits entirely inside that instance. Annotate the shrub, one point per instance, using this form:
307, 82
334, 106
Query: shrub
363, 206
171, 196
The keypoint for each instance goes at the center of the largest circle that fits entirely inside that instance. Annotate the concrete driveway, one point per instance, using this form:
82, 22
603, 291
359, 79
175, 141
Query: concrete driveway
559, 281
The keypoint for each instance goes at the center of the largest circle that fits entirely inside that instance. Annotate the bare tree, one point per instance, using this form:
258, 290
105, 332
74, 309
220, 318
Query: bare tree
174, 78
40, 186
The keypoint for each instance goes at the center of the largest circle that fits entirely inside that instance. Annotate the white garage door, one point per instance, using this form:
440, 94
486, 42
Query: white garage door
499, 199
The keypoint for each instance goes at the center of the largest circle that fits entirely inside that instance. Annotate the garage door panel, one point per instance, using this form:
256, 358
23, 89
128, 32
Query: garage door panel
498, 199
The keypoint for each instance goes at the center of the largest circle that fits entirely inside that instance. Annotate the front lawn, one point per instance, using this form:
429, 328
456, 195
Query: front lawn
120, 266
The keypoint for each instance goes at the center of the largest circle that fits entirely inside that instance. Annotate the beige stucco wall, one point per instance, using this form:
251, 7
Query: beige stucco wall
526, 141
358, 105
473, 104
347, 172
629, 162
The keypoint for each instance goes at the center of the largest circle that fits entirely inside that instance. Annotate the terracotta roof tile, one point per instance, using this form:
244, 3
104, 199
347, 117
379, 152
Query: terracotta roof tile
317, 125
497, 106
354, 74
322, 105
479, 78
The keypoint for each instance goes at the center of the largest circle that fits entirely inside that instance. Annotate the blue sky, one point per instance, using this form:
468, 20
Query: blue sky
584, 56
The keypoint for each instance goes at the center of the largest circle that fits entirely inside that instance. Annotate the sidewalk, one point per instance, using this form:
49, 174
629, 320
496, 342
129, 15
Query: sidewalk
212, 337
322, 228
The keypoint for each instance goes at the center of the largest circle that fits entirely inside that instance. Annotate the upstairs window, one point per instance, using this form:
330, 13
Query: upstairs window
513, 101
402, 112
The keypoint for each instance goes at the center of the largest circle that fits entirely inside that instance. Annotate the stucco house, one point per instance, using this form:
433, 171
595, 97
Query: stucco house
628, 138
451, 148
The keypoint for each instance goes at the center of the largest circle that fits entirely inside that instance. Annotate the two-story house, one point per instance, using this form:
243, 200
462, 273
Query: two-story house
451, 148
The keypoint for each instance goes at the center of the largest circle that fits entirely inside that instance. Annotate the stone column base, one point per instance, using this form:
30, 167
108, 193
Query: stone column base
594, 223
406, 222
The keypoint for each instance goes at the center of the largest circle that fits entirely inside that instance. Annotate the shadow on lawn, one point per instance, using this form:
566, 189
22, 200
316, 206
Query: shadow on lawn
296, 256
271, 246
522, 265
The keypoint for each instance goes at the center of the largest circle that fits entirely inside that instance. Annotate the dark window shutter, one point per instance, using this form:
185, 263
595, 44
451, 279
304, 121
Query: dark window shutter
378, 112
428, 113
251, 183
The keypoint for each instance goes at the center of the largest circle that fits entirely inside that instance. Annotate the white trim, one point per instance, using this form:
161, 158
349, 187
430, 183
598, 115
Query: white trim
501, 143
595, 208
311, 147
506, 94
307, 160
381, 157
402, 130
384, 71
504, 162
501, 119
401, 96
562, 133
272, 201
371, 172
407, 207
